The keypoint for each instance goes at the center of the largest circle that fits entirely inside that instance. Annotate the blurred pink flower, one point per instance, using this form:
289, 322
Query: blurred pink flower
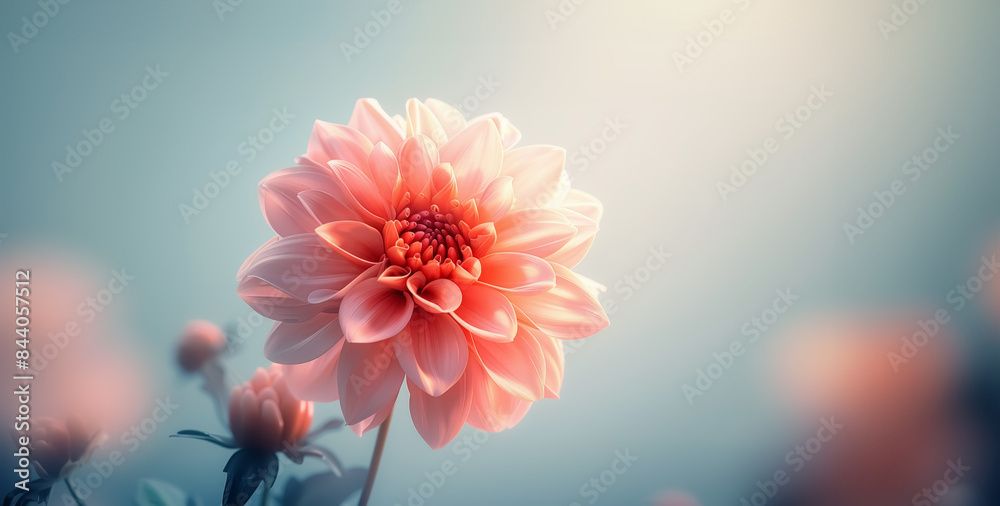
426, 249
201, 342
264, 415
675, 498
58, 448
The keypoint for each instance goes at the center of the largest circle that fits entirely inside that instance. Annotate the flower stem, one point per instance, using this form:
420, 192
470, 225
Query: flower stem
383, 431
72, 492
264, 493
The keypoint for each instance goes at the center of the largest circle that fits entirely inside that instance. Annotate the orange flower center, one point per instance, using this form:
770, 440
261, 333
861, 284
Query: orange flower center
430, 241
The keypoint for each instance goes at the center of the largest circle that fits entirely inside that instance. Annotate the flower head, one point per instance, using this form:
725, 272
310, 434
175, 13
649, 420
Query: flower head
264, 415
201, 342
58, 448
427, 250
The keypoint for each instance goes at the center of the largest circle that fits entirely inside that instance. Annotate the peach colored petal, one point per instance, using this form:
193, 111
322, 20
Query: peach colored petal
373, 421
538, 232
300, 265
517, 273
583, 203
493, 408
509, 134
421, 121
518, 366
496, 198
438, 296
476, 154
356, 241
287, 214
451, 119
555, 362
372, 312
433, 351
330, 141
486, 313
482, 237
536, 171
298, 343
568, 311
444, 187
361, 193
417, 157
369, 119
368, 378
273, 303
384, 169
315, 380
439, 419
576, 248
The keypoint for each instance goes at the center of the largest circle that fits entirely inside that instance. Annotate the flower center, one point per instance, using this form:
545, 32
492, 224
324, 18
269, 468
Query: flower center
431, 241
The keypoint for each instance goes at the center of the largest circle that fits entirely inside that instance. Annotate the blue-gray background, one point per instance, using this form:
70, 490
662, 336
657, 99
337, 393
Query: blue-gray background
560, 84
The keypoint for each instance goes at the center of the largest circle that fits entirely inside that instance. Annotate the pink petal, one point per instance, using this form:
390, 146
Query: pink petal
576, 248
369, 378
299, 266
538, 232
518, 366
421, 121
451, 119
433, 351
325, 207
282, 207
536, 171
476, 154
482, 238
356, 241
493, 408
298, 343
439, 419
373, 421
568, 311
384, 169
369, 119
330, 141
372, 312
315, 380
555, 362
517, 273
496, 199
438, 296
583, 203
273, 303
361, 193
417, 158
272, 426
508, 132
486, 313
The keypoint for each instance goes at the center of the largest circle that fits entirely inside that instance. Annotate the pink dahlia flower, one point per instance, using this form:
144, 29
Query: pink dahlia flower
427, 250
264, 415
201, 343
